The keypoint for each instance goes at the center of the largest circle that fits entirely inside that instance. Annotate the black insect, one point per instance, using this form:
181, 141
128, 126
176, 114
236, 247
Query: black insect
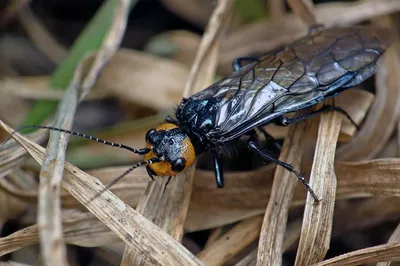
264, 91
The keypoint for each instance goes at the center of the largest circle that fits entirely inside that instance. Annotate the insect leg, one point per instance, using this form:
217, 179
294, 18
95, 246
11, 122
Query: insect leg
169, 119
284, 121
238, 62
265, 155
166, 184
315, 28
269, 138
219, 176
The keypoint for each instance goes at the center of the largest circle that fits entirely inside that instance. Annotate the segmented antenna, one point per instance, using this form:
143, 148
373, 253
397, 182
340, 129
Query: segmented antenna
150, 161
118, 145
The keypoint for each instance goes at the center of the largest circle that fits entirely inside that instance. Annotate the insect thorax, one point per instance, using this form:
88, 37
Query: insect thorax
197, 117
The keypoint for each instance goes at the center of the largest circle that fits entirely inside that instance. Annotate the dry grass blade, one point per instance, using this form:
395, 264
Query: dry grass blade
249, 260
356, 102
215, 234
11, 9
304, 10
203, 68
317, 221
12, 154
49, 214
394, 238
375, 254
232, 242
246, 193
384, 114
108, 47
291, 236
155, 245
20, 239
40, 36
51, 173
12, 263
275, 219
276, 8
37, 88
81, 229
168, 208
196, 11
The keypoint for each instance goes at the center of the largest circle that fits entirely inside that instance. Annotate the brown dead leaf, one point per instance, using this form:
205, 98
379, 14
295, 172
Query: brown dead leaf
384, 113
129, 73
394, 238
368, 255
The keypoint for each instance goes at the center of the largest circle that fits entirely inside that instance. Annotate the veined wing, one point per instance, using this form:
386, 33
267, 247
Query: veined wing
294, 77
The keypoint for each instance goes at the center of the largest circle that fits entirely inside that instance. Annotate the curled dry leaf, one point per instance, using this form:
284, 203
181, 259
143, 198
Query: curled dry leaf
356, 102
368, 255
126, 76
384, 113
129, 73
155, 245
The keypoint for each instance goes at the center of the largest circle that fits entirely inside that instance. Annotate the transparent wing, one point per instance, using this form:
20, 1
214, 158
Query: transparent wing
294, 77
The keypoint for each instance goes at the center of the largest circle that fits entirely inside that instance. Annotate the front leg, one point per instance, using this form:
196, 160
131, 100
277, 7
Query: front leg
219, 175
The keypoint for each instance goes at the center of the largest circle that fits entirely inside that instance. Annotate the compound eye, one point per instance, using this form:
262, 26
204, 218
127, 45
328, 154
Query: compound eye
178, 165
151, 131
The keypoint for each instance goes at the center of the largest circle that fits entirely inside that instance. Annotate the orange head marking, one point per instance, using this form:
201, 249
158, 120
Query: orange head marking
172, 147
